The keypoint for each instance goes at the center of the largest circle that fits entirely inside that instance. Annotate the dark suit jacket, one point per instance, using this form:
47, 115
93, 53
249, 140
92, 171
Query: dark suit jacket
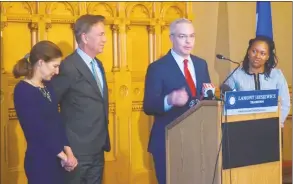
163, 76
84, 111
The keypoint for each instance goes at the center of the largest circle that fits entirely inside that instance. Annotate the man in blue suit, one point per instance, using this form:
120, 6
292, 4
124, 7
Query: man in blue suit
172, 83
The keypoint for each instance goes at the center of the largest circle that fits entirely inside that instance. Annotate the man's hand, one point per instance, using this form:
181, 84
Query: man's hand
71, 163
178, 97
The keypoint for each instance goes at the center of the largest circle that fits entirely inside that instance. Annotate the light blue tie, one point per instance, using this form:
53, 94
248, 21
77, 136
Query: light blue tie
96, 76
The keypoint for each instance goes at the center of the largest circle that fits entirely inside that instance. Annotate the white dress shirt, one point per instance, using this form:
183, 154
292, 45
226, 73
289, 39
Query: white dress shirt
179, 60
87, 59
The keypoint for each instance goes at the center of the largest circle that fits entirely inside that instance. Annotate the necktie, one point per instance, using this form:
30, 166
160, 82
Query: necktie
96, 76
188, 77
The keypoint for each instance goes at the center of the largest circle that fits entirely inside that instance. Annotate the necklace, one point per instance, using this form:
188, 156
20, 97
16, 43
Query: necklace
45, 92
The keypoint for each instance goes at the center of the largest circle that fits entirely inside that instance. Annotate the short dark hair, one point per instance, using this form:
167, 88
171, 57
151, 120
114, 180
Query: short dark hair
272, 61
43, 50
84, 24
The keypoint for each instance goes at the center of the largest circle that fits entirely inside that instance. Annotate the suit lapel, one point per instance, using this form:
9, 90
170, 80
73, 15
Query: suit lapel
177, 73
105, 87
85, 71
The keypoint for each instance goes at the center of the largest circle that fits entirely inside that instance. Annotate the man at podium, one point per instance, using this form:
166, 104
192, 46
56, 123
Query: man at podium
258, 72
173, 84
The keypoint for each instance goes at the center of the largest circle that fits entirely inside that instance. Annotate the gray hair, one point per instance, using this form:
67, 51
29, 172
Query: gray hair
178, 21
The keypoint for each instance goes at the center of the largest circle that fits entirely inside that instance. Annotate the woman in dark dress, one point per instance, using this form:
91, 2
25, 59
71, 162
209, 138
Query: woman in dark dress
36, 106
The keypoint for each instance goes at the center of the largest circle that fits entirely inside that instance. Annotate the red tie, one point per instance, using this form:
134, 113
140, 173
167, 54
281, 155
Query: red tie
189, 78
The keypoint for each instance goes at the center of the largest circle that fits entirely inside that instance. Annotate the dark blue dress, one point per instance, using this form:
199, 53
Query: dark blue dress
44, 133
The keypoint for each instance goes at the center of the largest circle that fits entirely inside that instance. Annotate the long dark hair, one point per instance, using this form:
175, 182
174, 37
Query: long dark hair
272, 61
43, 50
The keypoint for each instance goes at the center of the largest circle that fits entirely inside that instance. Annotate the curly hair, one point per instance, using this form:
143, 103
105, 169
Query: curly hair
271, 62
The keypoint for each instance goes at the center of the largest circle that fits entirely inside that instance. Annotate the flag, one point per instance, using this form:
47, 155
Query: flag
264, 25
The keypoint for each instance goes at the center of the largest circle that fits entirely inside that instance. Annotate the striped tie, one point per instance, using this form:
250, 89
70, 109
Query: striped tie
96, 76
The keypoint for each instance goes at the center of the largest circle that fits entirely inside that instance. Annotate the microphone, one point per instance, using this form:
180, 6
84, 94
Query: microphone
219, 56
224, 88
208, 91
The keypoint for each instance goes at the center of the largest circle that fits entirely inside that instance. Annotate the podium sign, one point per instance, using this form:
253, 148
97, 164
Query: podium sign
249, 102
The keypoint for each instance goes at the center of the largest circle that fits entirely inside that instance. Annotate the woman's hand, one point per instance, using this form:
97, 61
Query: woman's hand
63, 158
71, 160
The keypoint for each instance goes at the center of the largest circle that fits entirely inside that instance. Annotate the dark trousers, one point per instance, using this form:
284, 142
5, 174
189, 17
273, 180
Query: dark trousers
88, 171
159, 158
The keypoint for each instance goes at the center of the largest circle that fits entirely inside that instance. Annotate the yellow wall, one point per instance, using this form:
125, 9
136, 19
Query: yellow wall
137, 34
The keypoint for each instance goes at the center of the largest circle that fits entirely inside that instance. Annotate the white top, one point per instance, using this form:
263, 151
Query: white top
241, 81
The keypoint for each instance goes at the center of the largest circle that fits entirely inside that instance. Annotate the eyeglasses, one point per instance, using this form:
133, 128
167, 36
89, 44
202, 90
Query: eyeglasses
184, 36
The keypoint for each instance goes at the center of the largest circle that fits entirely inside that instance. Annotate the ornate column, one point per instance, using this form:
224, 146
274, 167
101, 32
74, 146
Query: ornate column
75, 45
47, 27
115, 30
163, 27
151, 31
127, 28
3, 97
122, 45
3, 25
33, 26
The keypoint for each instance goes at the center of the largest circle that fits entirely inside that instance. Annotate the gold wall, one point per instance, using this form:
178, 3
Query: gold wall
137, 34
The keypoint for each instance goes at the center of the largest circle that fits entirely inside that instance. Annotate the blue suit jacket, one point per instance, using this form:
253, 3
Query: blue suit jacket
163, 76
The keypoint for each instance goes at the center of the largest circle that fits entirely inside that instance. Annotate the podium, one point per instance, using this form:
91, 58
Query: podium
235, 141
